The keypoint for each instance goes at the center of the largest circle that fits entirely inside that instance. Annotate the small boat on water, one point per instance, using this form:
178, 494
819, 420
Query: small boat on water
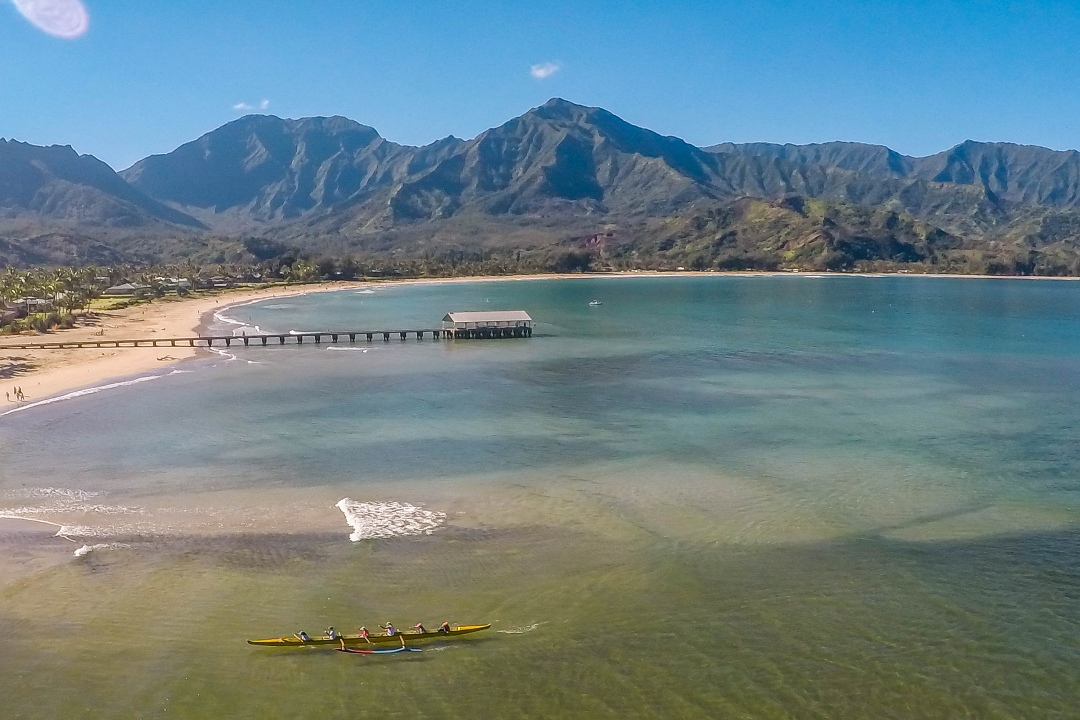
410, 637
594, 303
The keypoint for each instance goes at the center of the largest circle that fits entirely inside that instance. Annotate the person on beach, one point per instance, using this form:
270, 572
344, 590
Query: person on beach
420, 627
391, 631
444, 628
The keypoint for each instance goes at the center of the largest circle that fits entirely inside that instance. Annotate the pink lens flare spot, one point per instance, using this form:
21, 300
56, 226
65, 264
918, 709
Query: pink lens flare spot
67, 19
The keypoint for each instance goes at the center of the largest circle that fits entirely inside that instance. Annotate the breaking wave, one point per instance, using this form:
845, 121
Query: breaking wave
87, 549
371, 520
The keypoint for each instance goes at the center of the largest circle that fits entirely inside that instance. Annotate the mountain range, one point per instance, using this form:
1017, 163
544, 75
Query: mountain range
562, 178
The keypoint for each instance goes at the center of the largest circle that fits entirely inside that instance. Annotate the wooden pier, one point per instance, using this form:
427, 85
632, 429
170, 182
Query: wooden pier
262, 340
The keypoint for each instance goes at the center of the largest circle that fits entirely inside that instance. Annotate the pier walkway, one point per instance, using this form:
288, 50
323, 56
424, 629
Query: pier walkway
328, 336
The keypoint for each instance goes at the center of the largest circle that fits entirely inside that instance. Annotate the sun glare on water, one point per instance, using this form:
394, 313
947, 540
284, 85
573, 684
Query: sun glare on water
66, 19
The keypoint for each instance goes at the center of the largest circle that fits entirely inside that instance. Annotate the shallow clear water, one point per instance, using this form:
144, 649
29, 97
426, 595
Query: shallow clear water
713, 497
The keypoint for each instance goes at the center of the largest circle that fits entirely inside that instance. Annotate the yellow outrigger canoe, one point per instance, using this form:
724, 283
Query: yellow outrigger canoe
410, 637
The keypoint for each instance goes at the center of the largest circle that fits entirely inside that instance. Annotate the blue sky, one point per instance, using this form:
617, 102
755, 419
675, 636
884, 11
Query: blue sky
920, 77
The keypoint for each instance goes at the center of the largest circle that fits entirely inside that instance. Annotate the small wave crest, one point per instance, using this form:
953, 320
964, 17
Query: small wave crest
87, 549
85, 392
353, 349
71, 503
370, 520
241, 326
229, 357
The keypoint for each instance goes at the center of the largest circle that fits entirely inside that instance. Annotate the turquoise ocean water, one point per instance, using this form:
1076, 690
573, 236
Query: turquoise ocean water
775, 497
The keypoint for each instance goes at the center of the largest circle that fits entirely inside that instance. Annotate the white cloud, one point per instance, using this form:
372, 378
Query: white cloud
263, 105
65, 19
542, 71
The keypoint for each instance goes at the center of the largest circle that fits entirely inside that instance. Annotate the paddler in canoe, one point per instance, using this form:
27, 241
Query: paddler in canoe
392, 635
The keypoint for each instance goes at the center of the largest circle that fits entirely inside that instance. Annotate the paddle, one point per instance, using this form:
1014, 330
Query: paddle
357, 651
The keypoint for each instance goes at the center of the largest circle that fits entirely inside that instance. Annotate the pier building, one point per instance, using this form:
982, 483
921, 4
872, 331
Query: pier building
487, 324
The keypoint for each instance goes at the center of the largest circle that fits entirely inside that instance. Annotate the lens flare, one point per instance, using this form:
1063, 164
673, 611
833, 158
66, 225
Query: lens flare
66, 19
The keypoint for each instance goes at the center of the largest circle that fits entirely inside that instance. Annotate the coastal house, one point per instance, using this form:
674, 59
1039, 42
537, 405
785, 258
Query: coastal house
488, 324
126, 289
33, 304
220, 282
169, 284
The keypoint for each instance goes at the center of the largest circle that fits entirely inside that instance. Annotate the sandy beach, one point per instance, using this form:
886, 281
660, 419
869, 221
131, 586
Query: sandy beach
44, 373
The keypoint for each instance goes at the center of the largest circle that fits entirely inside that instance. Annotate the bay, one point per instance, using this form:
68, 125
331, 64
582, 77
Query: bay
705, 497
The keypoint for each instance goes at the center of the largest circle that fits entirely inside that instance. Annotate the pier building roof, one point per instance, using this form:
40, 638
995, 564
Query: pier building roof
494, 318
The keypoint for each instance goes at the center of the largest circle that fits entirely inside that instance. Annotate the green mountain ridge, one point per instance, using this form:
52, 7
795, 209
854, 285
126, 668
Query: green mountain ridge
529, 187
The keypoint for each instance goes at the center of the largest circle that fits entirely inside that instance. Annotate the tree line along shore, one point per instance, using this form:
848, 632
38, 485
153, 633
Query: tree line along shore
45, 298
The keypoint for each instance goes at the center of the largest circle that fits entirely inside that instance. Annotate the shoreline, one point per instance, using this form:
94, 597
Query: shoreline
44, 374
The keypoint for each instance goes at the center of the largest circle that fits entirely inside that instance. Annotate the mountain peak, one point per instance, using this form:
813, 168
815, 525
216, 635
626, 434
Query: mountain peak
562, 102
332, 125
56, 183
560, 109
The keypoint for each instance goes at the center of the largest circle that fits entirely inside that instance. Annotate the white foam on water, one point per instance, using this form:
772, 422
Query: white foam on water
67, 502
70, 532
365, 292
32, 510
87, 549
521, 630
229, 357
353, 349
88, 391
62, 494
371, 520
242, 326
220, 316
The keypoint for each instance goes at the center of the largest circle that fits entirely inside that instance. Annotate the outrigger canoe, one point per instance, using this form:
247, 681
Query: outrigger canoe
410, 637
